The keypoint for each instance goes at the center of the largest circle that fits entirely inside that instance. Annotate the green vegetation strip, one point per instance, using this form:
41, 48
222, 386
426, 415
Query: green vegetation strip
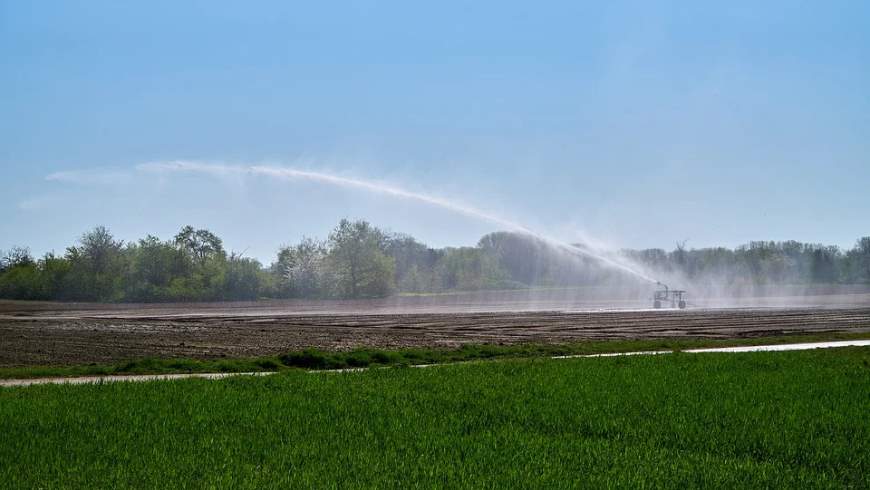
360, 358
773, 419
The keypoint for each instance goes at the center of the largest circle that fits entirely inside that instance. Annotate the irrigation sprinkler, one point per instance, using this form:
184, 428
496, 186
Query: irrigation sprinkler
667, 295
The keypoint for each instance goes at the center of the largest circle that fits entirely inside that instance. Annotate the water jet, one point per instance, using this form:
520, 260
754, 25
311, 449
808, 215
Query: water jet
390, 190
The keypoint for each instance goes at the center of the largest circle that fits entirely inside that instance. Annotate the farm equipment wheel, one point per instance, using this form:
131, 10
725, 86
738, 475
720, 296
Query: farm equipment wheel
657, 304
682, 305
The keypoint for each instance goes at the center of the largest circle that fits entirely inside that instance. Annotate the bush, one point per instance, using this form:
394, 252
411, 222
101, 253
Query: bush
269, 364
382, 357
359, 359
308, 359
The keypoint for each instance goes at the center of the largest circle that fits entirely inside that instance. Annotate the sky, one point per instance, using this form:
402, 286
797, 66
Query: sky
626, 124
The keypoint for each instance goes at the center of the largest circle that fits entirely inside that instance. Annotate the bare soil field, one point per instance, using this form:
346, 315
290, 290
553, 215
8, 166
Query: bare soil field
41, 333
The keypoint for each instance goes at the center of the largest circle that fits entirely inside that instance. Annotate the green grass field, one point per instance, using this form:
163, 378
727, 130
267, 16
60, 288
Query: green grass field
795, 419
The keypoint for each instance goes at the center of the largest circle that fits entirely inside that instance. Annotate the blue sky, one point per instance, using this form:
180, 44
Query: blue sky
634, 124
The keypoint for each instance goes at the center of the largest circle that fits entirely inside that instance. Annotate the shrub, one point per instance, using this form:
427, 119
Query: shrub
309, 359
269, 364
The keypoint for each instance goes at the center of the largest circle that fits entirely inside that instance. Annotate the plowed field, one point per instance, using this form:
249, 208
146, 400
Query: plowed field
33, 333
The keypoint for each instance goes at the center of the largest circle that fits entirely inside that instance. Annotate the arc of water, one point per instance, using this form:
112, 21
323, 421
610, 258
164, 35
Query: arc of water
380, 188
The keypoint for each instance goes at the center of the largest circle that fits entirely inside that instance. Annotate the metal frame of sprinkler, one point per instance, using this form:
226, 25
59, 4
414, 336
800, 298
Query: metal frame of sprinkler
667, 295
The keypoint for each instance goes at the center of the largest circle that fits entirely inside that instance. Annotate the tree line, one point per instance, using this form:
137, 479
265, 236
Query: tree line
764, 262
359, 260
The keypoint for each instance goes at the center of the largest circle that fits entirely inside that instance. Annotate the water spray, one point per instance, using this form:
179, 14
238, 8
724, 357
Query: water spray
380, 188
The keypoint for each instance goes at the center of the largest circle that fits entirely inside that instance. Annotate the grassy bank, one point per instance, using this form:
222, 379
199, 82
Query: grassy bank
794, 419
317, 359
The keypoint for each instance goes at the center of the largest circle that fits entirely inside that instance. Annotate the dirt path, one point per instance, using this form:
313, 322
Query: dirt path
81, 380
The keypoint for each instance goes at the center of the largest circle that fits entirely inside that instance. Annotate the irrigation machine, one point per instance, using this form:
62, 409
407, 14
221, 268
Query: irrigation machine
676, 297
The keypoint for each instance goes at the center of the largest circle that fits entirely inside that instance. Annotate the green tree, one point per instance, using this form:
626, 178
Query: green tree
299, 269
200, 244
414, 261
96, 267
153, 266
244, 278
859, 260
470, 268
53, 281
19, 275
824, 268
206, 280
357, 261
524, 258
14, 257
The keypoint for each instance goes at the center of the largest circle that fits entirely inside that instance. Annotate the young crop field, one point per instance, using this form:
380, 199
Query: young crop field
795, 419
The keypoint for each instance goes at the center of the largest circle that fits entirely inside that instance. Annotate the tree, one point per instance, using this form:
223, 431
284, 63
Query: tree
100, 248
243, 278
524, 258
357, 260
299, 269
207, 278
54, 271
470, 268
16, 256
200, 244
680, 258
96, 265
859, 260
824, 269
414, 262
153, 265
21, 282
19, 275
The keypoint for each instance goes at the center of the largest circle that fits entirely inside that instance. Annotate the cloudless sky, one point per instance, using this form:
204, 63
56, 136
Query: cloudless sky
636, 124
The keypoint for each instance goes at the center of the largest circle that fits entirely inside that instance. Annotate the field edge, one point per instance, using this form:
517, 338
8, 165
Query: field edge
316, 359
